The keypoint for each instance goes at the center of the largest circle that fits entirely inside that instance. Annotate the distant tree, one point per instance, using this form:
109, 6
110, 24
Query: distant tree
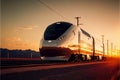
18, 53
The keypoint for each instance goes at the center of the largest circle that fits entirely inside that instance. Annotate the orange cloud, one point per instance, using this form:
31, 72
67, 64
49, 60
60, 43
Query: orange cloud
26, 28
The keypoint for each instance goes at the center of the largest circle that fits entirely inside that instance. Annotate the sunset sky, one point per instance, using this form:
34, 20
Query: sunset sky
23, 21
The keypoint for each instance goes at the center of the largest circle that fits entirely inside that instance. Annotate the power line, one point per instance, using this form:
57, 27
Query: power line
53, 10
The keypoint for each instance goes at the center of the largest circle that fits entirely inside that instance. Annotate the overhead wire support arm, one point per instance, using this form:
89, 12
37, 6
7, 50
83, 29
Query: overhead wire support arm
77, 18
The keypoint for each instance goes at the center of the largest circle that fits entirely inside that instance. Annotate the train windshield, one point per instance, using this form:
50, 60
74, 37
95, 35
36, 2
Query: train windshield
56, 30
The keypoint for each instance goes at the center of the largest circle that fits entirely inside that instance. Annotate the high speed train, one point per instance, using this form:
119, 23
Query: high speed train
65, 41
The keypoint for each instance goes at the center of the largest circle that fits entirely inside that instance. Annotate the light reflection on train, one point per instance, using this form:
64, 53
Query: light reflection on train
68, 42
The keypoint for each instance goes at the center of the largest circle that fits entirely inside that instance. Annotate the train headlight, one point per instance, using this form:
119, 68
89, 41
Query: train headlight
49, 41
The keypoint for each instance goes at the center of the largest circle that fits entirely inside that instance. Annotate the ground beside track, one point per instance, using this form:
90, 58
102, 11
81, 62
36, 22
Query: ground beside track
109, 70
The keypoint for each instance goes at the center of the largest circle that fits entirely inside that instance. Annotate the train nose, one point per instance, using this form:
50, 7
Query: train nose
55, 53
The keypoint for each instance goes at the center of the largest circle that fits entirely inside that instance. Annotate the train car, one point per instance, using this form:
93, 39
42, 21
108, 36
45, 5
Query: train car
67, 42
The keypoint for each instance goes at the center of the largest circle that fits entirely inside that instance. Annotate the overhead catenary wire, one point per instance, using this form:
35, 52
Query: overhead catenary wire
51, 9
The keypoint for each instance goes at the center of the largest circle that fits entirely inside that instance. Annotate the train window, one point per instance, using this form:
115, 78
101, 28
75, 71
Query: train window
55, 30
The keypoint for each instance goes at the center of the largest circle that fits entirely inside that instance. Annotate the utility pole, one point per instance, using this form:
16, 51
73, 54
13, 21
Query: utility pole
77, 18
108, 48
103, 46
31, 55
93, 43
8, 55
111, 48
115, 50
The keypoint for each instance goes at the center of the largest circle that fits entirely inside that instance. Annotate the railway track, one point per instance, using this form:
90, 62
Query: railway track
17, 64
40, 67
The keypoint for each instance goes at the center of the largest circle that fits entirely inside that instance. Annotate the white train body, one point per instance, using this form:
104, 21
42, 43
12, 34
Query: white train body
65, 41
